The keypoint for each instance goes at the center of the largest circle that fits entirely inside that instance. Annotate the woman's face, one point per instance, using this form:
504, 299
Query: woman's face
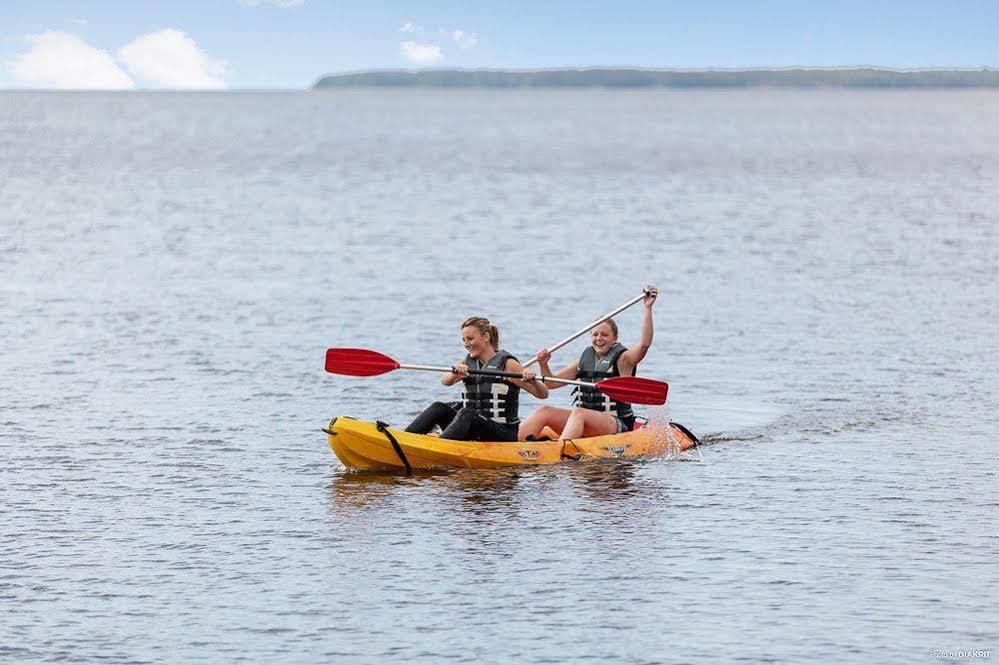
602, 338
476, 343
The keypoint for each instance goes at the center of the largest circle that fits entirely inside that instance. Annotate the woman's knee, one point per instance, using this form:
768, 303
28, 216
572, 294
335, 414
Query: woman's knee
545, 412
465, 413
436, 410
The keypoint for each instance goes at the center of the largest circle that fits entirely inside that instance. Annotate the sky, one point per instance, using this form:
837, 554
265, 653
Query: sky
289, 44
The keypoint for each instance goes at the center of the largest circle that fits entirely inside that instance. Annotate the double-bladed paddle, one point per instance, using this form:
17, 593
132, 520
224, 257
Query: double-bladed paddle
364, 362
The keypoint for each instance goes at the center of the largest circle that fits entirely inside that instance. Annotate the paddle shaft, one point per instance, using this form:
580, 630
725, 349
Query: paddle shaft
585, 330
490, 372
364, 362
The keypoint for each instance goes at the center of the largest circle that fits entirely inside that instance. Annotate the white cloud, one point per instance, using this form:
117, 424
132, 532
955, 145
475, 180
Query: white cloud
422, 53
283, 4
170, 59
63, 61
464, 40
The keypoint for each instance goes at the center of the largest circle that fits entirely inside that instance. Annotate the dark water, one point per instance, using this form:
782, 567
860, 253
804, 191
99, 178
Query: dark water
173, 267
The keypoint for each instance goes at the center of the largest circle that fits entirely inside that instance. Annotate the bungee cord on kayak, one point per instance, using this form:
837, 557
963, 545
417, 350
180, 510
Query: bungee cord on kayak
484, 428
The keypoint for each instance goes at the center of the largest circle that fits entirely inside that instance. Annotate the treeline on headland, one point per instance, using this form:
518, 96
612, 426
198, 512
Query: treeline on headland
859, 77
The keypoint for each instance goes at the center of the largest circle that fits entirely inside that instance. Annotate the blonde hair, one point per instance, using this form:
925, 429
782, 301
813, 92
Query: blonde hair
612, 325
482, 324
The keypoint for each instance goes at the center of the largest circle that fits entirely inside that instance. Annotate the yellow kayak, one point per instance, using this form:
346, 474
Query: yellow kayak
361, 445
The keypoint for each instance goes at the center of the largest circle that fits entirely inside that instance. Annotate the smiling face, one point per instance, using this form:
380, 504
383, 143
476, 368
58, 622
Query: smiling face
602, 338
476, 343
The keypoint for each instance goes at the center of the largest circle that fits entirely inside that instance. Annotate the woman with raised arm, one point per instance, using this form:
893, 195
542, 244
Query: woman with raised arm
489, 407
605, 357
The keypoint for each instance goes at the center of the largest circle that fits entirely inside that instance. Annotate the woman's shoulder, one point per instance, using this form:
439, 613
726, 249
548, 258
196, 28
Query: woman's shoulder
506, 356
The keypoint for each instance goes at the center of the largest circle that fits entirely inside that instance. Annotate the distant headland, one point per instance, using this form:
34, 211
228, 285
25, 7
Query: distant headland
794, 77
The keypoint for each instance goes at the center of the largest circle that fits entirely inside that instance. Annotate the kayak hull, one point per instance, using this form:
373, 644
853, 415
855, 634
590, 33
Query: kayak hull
369, 446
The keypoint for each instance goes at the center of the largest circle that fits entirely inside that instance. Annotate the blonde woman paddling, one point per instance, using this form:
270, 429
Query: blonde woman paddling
489, 407
605, 357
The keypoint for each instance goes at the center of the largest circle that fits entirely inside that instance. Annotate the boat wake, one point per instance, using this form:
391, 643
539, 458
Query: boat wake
824, 417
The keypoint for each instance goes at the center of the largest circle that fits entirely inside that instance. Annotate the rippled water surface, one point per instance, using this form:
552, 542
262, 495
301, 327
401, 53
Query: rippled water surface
173, 267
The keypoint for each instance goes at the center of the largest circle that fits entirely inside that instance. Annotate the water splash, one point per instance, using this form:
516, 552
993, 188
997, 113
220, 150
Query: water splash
667, 443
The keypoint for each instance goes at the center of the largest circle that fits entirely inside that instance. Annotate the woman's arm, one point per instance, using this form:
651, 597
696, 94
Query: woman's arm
529, 383
630, 358
451, 378
570, 372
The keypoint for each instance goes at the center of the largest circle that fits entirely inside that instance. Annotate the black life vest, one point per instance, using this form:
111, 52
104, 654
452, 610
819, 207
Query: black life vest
493, 397
594, 369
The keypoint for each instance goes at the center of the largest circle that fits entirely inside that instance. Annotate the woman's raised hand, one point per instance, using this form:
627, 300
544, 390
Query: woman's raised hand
651, 293
544, 355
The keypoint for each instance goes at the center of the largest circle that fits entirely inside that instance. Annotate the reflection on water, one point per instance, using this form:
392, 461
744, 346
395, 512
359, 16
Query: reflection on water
484, 491
604, 485
362, 488
485, 487
600, 479
604, 480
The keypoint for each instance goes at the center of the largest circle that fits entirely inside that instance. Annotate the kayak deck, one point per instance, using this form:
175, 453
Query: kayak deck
369, 446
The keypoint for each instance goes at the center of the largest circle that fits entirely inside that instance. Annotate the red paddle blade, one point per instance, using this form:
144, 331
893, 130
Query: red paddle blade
634, 390
358, 362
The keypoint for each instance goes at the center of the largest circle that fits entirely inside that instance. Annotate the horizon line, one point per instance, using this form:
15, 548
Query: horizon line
514, 70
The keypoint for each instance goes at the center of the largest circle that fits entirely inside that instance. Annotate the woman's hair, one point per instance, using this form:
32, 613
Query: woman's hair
482, 324
612, 325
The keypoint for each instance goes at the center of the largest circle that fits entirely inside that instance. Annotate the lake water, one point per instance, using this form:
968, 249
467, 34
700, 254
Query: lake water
174, 266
